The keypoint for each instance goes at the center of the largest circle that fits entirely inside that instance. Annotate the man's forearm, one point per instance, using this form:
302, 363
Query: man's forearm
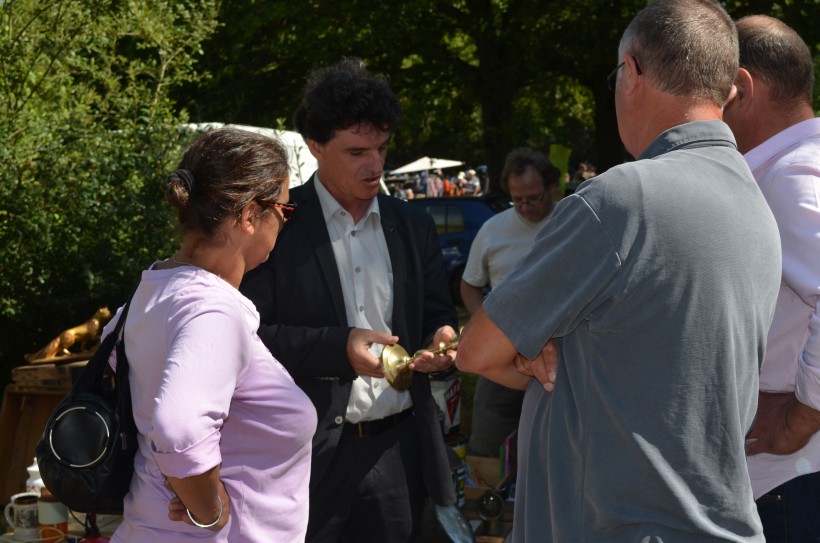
472, 297
507, 376
486, 351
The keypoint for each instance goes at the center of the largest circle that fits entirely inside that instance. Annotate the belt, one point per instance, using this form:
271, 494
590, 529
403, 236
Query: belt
372, 427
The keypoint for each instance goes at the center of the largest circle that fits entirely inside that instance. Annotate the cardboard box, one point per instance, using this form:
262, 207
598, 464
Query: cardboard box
483, 473
447, 395
481, 537
47, 376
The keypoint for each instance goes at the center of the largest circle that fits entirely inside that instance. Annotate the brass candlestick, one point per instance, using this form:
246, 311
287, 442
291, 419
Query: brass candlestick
396, 362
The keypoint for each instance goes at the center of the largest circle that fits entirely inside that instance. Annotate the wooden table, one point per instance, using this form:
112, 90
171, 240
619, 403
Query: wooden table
23, 416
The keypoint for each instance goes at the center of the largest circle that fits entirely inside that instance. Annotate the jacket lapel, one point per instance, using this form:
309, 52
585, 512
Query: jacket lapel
392, 236
320, 241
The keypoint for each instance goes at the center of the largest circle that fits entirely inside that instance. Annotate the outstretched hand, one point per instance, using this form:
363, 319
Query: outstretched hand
429, 362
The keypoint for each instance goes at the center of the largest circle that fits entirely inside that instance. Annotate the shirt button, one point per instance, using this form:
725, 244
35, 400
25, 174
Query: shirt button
338, 420
375, 384
353, 233
358, 270
361, 308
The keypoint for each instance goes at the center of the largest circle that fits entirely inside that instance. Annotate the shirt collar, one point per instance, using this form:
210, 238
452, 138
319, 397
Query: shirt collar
331, 207
782, 141
694, 134
528, 223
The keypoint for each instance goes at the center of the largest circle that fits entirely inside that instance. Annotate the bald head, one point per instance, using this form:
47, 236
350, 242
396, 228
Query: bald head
774, 82
776, 55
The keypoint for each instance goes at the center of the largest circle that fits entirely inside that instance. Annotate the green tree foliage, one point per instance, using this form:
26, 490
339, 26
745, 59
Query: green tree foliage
476, 77
91, 93
87, 134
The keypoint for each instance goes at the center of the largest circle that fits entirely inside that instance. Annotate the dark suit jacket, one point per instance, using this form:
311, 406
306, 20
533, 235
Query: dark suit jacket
299, 296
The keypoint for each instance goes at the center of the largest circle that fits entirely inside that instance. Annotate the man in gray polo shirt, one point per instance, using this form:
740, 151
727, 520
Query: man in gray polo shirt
659, 280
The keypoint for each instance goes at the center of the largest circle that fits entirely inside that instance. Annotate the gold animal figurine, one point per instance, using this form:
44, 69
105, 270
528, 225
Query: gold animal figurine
84, 334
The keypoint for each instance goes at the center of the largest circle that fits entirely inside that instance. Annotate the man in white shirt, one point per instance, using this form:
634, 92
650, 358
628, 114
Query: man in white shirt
773, 121
532, 181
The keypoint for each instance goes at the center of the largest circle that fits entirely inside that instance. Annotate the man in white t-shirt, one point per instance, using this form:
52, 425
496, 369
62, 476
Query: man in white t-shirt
473, 186
532, 182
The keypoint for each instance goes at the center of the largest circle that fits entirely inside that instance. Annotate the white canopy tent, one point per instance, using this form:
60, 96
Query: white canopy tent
426, 163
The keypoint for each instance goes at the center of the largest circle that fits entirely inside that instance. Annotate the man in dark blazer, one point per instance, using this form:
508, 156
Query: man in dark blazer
355, 270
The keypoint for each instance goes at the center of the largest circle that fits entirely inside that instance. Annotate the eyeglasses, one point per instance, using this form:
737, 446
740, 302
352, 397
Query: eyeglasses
287, 209
529, 200
610, 79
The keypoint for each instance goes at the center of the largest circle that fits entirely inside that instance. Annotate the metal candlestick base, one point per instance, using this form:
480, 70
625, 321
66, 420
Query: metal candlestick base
396, 362
396, 366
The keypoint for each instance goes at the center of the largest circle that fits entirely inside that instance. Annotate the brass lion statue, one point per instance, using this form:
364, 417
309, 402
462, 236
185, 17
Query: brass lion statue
85, 334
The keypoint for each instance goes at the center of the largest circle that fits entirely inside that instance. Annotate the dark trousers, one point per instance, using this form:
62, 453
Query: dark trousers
373, 490
496, 411
790, 513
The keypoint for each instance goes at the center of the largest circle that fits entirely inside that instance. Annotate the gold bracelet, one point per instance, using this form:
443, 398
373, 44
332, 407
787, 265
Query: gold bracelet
211, 525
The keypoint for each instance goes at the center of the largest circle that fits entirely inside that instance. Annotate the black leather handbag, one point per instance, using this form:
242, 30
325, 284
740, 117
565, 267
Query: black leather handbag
86, 453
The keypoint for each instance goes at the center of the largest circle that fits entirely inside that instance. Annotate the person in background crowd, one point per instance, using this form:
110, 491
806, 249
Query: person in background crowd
421, 184
224, 432
448, 186
407, 191
461, 184
357, 271
434, 184
585, 171
774, 123
532, 182
472, 185
659, 280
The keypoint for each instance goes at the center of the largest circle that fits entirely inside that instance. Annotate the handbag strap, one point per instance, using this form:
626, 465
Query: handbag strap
93, 372
128, 427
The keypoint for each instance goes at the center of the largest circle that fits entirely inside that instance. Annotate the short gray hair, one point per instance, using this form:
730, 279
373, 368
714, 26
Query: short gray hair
688, 48
773, 52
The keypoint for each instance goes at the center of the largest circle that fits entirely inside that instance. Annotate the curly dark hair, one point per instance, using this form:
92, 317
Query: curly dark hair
344, 95
518, 160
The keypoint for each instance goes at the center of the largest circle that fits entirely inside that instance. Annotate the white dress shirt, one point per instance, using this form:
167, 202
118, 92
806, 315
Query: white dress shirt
367, 285
787, 168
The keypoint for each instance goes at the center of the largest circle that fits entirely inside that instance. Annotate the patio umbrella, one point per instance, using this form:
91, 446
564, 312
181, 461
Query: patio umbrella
427, 163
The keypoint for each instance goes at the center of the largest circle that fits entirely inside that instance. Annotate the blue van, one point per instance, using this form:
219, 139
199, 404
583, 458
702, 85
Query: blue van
458, 220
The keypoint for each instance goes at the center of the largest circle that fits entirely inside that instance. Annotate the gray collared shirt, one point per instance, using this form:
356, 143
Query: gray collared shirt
659, 278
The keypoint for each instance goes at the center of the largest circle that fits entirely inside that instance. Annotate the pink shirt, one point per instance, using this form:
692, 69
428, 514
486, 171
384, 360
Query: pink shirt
207, 392
787, 168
